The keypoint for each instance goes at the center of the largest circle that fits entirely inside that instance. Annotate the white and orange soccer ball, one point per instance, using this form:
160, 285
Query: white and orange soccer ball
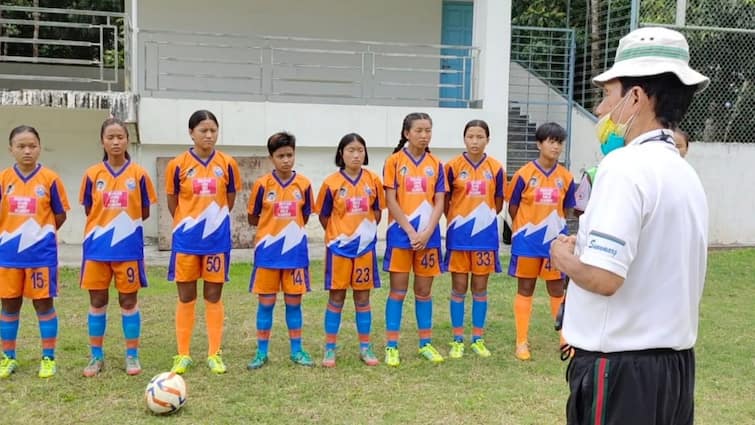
165, 393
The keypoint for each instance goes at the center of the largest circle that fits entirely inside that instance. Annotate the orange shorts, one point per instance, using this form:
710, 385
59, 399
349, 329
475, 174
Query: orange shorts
359, 273
426, 262
532, 268
34, 283
129, 275
189, 267
272, 281
475, 262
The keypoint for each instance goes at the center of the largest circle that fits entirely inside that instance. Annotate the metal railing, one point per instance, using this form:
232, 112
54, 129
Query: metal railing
57, 45
541, 84
300, 69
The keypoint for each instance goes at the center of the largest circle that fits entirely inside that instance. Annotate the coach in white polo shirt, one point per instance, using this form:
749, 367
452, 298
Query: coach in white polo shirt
637, 264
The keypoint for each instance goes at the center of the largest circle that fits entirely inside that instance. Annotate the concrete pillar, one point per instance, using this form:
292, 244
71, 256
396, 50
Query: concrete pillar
492, 34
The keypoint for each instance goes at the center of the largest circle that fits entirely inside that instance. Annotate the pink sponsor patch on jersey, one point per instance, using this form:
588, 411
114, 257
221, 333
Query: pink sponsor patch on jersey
415, 184
117, 199
284, 209
358, 204
22, 205
546, 195
477, 188
205, 186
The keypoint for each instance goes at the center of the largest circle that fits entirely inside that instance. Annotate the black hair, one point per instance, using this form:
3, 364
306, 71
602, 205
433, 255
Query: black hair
671, 97
550, 130
407, 125
478, 123
23, 129
280, 140
107, 123
345, 140
199, 116
684, 135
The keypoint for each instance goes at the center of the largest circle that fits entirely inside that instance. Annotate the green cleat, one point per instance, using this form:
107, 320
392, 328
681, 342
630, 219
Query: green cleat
94, 367
430, 353
259, 360
368, 357
479, 348
181, 364
7, 366
47, 368
391, 357
329, 359
302, 358
457, 350
216, 365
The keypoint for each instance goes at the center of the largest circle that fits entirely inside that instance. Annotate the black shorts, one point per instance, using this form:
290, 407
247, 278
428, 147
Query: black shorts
649, 387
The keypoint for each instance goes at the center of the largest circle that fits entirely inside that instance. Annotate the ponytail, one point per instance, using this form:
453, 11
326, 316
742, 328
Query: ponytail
401, 143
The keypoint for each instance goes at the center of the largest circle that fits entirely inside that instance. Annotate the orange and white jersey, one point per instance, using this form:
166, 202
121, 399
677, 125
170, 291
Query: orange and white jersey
113, 230
202, 220
281, 239
416, 182
543, 196
350, 207
473, 189
28, 205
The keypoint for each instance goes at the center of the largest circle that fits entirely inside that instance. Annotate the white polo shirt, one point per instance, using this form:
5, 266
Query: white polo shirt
647, 221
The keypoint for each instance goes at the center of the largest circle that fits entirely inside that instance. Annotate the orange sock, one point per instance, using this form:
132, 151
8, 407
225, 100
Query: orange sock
214, 316
522, 313
555, 306
184, 326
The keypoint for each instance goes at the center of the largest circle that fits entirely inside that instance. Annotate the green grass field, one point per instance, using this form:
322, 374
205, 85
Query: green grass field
498, 390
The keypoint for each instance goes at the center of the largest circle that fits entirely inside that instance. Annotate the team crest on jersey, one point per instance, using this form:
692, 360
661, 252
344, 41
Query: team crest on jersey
100, 185
271, 195
218, 171
297, 195
429, 172
341, 192
40, 190
367, 190
463, 175
131, 184
488, 175
9, 190
402, 172
191, 173
533, 182
560, 183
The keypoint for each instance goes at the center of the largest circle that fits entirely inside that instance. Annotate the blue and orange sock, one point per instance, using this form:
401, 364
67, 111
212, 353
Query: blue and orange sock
332, 324
423, 310
131, 321
97, 323
394, 308
479, 314
264, 321
457, 315
9, 332
48, 332
294, 321
364, 324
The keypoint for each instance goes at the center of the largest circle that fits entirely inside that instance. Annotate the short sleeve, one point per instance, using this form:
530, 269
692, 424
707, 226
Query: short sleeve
613, 221
450, 177
379, 204
255, 198
234, 176
389, 173
172, 178
324, 204
306, 209
514, 195
500, 183
441, 183
85, 191
58, 197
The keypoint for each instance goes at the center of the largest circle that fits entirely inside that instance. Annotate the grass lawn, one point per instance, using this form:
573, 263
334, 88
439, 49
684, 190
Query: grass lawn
498, 390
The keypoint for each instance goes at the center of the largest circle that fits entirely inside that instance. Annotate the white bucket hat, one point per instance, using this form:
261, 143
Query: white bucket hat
653, 51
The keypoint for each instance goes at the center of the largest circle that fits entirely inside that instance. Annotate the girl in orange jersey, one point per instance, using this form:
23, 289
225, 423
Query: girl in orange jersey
474, 199
201, 185
116, 195
415, 186
349, 205
33, 205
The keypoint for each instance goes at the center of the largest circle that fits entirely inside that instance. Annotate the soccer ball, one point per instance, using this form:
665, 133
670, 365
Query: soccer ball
165, 393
